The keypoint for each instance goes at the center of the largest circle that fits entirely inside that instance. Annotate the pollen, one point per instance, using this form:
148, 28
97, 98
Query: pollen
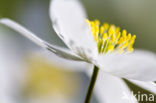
110, 38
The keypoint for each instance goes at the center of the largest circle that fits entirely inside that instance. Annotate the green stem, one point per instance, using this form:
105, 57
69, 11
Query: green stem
91, 85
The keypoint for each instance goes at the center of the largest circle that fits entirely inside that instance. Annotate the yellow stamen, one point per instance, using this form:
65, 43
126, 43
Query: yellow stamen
106, 25
105, 36
109, 38
102, 29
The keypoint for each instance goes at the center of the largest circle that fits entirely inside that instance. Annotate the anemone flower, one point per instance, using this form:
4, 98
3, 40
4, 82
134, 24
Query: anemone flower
105, 46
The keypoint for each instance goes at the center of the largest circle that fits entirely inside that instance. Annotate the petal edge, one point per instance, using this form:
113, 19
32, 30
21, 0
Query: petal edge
140, 65
28, 34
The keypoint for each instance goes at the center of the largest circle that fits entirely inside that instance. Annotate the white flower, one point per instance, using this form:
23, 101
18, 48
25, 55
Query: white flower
69, 22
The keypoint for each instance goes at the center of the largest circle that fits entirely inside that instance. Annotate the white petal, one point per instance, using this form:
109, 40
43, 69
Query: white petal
150, 86
57, 50
140, 65
110, 89
69, 22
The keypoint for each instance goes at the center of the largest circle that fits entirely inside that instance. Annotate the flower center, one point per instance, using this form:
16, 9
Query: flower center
109, 38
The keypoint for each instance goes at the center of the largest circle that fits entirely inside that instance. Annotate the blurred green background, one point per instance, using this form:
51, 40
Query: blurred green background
137, 16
